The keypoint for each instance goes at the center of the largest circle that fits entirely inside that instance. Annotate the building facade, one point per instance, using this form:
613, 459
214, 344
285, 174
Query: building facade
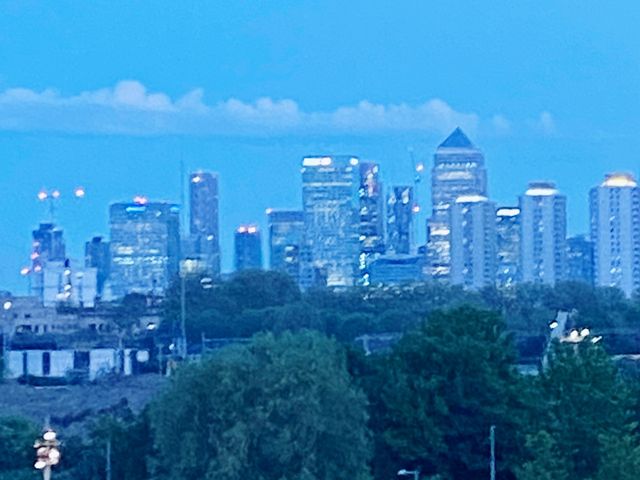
247, 248
400, 204
371, 227
204, 223
580, 259
145, 246
543, 234
97, 254
615, 231
458, 170
48, 245
473, 241
330, 203
508, 246
286, 237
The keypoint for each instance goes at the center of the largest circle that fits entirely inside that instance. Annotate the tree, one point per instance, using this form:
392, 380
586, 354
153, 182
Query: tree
281, 408
587, 415
16, 438
446, 384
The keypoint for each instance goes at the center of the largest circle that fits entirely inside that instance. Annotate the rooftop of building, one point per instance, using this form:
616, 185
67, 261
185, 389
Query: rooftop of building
619, 180
457, 139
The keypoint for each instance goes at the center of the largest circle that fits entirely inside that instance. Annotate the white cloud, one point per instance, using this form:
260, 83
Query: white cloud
129, 108
500, 124
545, 123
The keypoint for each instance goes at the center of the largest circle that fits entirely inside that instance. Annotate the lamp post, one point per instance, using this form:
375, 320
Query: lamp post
406, 473
48, 453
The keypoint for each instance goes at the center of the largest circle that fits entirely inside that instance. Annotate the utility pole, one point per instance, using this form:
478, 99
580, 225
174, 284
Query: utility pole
492, 435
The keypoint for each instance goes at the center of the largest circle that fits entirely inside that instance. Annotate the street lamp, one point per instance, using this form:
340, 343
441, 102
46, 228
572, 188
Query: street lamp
406, 473
48, 453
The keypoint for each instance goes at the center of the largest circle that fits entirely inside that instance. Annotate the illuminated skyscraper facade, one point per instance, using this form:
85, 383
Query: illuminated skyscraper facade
286, 237
371, 228
615, 231
247, 248
508, 246
204, 225
400, 203
543, 234
47, 246
330, 203
473, 241
458, 170
145, 246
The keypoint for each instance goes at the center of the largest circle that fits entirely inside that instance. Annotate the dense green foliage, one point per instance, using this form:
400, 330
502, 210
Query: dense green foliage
279, 408
301, 401
262, 301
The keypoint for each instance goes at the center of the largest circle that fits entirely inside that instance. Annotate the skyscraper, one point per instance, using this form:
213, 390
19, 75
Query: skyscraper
204, 226
248, 248
580, 259
48, 246
145, 246
508, 246
97, 255
473, 241
400, 205
329, 197
543, 233
371, 229
615, 231
286, 236
458, 170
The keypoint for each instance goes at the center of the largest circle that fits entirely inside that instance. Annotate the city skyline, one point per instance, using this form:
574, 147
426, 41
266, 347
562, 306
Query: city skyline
565, 111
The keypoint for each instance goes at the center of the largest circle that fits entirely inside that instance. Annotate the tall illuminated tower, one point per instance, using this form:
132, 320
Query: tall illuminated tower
458, 169
330, 203
543, 234
615, 231
145, 246
204, 226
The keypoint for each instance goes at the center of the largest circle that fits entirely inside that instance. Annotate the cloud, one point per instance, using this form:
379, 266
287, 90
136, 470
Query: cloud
501, 125
130, 108
545, 124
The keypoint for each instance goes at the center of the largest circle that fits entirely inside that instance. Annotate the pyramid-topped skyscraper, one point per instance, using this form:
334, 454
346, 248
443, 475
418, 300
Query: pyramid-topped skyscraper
458, 170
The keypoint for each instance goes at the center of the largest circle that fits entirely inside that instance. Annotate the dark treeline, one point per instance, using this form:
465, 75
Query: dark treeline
296, 402
257, 301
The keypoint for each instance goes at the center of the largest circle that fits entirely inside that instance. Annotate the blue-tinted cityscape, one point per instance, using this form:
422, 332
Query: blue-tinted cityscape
354, 230
303, 240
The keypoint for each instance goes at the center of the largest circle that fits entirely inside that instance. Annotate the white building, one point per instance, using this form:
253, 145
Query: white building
615, 231
64, 283
543, 233
473, 241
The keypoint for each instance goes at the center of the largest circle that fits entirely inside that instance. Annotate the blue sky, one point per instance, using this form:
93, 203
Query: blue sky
112, 95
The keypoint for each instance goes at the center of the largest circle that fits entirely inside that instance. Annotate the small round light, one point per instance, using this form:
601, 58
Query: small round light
49, 435
80, 192
7, 305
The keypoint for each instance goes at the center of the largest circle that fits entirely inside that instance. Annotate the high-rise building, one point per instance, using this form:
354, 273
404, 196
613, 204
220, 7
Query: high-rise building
330, 199
458, 170
286, 237
145, 246
48, 246
248, 248
543, 235
580, 259
371, 229
204, 228
97, 255
400, 204
615, 231
473, 241
508, 246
